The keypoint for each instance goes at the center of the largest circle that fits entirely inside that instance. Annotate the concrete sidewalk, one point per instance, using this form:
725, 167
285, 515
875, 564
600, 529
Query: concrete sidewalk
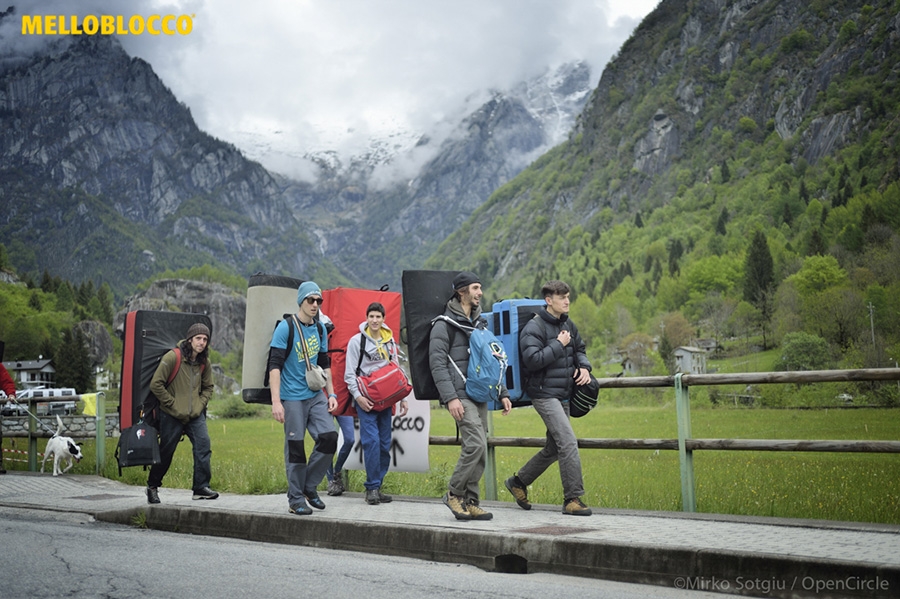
760, 557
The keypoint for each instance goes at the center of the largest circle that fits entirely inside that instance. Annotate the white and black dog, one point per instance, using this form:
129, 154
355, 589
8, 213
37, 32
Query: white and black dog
62, 448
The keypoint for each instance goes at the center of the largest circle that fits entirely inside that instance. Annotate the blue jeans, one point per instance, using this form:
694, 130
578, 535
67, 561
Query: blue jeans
170, 431
375, 438
346, 425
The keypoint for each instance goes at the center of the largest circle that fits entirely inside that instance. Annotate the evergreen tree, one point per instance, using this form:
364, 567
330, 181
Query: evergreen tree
786, 215
816, 244
47, 283
759, 271
804, 193
726, 173
104, 296
638, 221
65, 298
667, 353
676, 250
759, 280
720, 224
72, 362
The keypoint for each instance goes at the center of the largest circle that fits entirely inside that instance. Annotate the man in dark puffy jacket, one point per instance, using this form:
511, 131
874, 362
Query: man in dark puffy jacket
554, 359
449, 342
183, 410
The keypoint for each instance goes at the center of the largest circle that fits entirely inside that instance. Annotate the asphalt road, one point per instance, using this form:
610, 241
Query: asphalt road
58, 554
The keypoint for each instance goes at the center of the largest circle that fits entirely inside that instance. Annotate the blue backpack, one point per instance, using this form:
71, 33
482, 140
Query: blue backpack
487, 363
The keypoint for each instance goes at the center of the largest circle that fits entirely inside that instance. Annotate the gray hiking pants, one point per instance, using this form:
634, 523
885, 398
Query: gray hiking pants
473, 453
561, 445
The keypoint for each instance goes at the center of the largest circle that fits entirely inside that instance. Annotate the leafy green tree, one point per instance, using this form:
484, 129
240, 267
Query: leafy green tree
838, 313
803, 351
817, 274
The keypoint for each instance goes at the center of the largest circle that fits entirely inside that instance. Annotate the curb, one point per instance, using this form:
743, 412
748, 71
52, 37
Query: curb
730, 572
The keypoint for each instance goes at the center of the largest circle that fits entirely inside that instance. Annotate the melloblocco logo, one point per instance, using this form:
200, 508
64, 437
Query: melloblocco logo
107, 25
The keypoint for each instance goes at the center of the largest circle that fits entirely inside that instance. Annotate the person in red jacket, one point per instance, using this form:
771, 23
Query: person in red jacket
8, 385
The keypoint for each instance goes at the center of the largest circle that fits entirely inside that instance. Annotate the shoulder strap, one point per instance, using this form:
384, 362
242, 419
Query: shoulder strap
458, 325
362, 348
177, 366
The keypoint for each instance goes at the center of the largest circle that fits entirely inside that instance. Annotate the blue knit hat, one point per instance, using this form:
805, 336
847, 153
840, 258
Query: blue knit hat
306, 289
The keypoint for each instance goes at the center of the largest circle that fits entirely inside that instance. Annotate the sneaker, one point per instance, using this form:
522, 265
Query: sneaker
314, 500
476, 512
372, 497
457, 506
152, 495
336, 485
518, 491
301, 509
204, 493
575, 507
384, 498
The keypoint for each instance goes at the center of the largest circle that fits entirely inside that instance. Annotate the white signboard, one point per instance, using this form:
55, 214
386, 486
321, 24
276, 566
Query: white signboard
409, 444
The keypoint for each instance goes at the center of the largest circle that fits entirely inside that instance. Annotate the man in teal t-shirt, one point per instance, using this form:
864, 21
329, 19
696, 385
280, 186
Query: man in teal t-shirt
297, 406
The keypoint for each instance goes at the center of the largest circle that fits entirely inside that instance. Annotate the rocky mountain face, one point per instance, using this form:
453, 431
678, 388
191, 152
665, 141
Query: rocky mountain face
225, 307
104, 175
373, 231
764, 53
699, 83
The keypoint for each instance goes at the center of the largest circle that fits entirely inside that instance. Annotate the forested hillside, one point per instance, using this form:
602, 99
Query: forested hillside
734, 176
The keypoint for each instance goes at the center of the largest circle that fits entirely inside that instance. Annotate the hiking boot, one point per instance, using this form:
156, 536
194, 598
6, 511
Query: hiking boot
314, 500
204, 493
575, 507
457, 506
519, 492
476, 512
384, 498
301, 509
372, 497
336, 485
152, 495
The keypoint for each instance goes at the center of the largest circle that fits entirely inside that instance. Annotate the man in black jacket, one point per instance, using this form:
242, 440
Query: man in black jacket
450, 342
554, 358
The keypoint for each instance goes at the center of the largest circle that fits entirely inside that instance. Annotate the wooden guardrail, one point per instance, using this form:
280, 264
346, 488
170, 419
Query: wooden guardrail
685, 444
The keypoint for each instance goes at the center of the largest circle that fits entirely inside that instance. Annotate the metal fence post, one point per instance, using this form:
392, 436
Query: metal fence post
490, 466
100, 418
685, 456
32, 437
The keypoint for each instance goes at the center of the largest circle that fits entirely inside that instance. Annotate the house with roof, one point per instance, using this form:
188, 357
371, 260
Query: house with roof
31, 374
690, 360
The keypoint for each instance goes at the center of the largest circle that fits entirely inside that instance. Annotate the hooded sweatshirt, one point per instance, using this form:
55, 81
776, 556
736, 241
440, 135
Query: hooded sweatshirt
379, 349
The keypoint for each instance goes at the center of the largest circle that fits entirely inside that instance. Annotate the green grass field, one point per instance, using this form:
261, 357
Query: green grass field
247, 458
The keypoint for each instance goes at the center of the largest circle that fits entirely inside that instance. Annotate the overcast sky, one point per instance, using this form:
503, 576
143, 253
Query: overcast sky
325, 74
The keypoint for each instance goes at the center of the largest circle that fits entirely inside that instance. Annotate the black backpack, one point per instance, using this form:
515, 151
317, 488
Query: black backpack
138, 446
